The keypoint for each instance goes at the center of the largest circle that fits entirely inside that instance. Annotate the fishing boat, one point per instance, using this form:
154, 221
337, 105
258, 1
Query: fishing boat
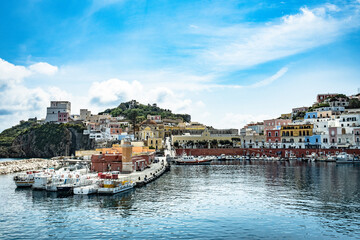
24, 179
86, 190
113, 186
191, 160
41, 179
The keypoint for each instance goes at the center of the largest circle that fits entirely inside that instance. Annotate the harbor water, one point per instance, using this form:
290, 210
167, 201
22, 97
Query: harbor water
231, 200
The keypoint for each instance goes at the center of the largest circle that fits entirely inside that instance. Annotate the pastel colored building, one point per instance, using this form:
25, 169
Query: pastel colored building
313, 141
273, 138
296, 130
58, 112
275, 123
310, 115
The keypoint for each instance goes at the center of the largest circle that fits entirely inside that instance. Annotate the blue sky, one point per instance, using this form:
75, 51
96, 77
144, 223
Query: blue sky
224, 62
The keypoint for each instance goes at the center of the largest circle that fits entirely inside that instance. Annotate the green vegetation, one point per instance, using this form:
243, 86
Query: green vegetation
8, 136
354, 103
48, 133
299, 115
135, 111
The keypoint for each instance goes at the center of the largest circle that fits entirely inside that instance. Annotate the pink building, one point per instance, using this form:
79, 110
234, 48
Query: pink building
333, 135
273, 124
63, 117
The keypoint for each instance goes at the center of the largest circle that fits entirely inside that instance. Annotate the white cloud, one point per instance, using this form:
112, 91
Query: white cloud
271, 79
113, 91
240, 47
43, 68
11, 74
233, 120
19, 102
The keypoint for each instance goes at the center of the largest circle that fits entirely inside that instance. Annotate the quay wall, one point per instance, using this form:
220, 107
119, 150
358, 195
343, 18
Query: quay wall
283, 152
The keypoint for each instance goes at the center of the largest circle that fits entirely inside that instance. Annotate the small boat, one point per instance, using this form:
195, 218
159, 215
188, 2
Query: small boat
24, 179
113, 186
86, 190
191, 160
41, 179
346, 158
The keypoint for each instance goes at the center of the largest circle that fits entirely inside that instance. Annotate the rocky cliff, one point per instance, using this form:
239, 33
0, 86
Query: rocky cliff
48, 140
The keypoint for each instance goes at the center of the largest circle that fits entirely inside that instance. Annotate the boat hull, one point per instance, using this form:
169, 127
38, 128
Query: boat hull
85, 190
24, 184
205, 162
111, 191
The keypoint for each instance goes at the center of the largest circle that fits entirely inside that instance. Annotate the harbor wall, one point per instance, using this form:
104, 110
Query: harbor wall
26, 164
283, 152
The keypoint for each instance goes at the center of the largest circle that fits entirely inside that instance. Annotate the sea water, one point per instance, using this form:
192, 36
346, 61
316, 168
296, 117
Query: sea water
228, 200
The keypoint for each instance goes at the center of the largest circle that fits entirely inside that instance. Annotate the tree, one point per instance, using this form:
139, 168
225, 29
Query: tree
132, 116
354, 103
214, 143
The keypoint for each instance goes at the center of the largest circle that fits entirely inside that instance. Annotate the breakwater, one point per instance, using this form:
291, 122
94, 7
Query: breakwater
26, 164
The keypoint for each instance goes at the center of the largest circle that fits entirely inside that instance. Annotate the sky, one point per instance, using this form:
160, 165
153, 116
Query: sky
227, 63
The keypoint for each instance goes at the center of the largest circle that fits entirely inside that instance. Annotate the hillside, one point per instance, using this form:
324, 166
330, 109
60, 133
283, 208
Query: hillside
8, 135
132, 108
29, 139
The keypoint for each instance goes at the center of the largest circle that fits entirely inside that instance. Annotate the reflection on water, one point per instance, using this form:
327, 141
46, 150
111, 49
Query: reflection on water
229, 199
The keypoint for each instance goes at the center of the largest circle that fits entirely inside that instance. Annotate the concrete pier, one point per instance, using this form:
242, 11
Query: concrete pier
149, 174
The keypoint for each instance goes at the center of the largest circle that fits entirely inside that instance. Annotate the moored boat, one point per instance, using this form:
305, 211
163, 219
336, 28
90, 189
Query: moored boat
113, 186
346, 158
191, 160
24, 179
86, 190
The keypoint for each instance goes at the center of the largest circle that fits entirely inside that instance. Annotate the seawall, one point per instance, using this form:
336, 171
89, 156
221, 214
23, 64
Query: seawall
26, 164
283, 152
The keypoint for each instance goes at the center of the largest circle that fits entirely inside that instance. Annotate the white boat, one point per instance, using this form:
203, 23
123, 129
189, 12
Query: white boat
346, 158
24, 179
41, 179
87, 190
65, 179
191, 160
113, 186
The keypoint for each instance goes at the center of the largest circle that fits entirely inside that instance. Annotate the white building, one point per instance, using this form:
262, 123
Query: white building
58, 112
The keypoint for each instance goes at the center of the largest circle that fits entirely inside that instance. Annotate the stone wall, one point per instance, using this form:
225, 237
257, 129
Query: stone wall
254, 151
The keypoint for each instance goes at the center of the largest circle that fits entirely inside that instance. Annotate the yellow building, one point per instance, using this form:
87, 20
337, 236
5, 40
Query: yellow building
296, 130
205, 136
156, 143
152, 133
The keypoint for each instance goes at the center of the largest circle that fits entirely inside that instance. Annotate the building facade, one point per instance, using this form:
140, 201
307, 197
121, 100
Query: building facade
58, 112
